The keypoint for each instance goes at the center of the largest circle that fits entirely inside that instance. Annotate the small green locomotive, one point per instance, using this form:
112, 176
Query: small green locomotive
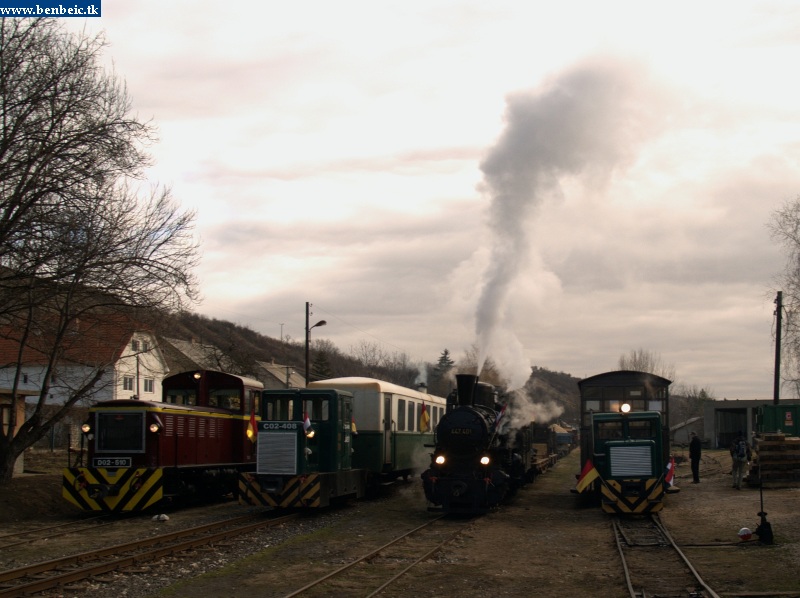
625, 452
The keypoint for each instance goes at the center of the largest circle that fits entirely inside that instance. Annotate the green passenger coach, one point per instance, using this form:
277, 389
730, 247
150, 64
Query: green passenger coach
393, 424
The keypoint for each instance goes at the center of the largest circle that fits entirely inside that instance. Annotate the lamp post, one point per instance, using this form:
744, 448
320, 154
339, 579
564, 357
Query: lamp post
308, 336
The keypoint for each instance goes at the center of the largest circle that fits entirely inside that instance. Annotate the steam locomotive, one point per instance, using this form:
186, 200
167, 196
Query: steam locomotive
194, 442
474, 466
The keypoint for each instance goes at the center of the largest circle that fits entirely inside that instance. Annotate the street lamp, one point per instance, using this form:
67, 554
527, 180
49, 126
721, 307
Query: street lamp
308, 336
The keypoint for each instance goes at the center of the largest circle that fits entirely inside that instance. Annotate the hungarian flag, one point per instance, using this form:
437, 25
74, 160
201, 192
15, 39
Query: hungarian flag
669, 478
424, 420
252, 426
306, 422
499, 416
588, 475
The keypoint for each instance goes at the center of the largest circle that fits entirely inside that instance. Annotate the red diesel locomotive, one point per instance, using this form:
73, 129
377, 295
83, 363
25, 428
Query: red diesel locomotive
196, 442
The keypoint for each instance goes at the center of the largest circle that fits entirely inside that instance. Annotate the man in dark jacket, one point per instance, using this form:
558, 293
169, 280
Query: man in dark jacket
695, 449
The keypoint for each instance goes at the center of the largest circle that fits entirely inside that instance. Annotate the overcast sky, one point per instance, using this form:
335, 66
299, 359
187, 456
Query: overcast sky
555, 183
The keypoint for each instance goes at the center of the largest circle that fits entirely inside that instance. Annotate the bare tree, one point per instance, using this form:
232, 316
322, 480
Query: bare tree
641, 360
785, 228
370, 355
79, 240
489, 373
688, 402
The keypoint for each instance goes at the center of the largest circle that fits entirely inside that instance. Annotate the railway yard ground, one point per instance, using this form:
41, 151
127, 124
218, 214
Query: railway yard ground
542, 543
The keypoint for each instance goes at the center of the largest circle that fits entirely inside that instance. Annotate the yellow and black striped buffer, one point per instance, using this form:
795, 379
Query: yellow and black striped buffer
112, 490
296, 492
632, 496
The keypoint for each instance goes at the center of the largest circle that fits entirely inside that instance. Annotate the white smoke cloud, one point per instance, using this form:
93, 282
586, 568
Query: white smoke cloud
523, 410
581, 125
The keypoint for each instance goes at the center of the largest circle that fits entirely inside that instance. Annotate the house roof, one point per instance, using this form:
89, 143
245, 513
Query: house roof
278, 371
189, 355
92, 340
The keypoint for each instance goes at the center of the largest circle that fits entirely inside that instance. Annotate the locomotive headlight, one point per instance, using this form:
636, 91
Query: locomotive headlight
439, 459
484, 460
86, 428
625, 408
156, 426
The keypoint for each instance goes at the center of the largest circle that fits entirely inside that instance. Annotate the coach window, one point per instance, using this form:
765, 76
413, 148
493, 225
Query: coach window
412, 420
401, 415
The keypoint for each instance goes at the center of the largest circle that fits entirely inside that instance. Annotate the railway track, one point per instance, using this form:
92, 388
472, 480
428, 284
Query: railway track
654, 565
371, 573
48, 532
60, 572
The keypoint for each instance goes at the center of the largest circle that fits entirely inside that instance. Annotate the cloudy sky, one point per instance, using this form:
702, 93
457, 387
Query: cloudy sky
555, 183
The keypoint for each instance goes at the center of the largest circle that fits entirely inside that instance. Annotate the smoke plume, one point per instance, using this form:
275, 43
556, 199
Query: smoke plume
582, 123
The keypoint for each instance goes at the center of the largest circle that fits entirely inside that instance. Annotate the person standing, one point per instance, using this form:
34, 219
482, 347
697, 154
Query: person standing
695, 450
740, 455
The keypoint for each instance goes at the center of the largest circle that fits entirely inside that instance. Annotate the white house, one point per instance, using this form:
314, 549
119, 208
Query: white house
128, 356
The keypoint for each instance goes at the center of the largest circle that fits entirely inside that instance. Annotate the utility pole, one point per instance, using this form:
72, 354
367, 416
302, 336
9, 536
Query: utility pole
308, 336
778, 313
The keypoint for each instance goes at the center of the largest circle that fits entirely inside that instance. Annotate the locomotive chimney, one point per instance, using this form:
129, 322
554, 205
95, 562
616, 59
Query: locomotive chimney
466, 388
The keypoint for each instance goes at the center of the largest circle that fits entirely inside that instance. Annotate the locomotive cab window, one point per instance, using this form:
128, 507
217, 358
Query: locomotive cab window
277, 409
636, 404
225, 398
608, 430
591, 405
641, 429
655, 405
317, 408
181, 397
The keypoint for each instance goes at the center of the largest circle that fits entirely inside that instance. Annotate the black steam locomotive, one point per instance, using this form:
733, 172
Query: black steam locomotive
475, 466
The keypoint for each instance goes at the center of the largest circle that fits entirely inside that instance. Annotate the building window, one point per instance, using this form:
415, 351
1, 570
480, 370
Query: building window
5, 417
134, 345
127, 383
145, 346
148, 385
